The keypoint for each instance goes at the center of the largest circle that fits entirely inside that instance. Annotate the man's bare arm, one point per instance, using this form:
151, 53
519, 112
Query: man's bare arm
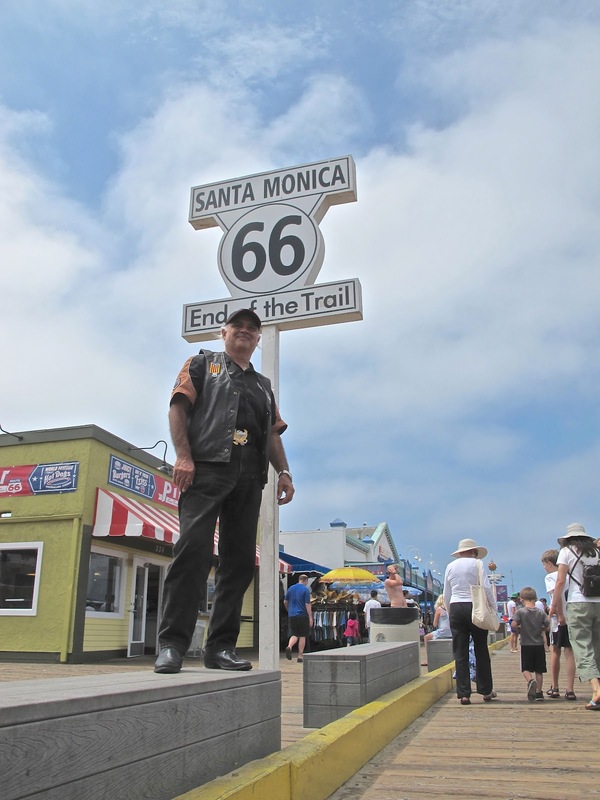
277, 457
183, 471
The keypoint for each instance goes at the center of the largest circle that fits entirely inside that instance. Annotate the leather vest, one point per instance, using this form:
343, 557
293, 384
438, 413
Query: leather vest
213, 417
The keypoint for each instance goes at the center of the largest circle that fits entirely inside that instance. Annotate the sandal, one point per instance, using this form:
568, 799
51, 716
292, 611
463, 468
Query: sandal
569, 696
553, 692
593, 705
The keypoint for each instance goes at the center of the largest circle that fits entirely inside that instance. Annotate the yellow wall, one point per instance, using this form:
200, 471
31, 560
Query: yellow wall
57, 520
68, 503
246, 637
50, 630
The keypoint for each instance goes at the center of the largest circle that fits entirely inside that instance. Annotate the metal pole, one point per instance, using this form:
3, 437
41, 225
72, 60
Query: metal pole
268, 591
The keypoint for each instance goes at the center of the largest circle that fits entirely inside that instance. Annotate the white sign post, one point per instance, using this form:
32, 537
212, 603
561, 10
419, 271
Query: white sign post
269, 257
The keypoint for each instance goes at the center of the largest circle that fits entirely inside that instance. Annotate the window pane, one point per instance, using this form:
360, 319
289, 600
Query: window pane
104, 583
17, 578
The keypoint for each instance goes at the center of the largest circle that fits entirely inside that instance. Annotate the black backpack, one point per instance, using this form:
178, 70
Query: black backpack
591, 578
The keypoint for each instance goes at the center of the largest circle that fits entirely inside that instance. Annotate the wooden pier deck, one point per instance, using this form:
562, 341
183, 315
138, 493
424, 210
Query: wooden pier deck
291, 683
503, 750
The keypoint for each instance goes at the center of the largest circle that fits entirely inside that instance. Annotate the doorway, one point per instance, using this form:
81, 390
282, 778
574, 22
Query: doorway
145, 603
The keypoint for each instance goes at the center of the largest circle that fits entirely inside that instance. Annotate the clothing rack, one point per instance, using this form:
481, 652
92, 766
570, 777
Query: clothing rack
329, 622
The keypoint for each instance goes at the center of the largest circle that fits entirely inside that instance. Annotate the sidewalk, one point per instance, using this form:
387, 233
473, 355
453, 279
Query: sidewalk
506, 749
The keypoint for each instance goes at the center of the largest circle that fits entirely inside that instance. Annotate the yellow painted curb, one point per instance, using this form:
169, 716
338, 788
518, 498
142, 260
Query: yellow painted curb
325, 759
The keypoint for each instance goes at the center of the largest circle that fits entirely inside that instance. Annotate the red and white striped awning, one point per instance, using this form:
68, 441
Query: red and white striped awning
119, 515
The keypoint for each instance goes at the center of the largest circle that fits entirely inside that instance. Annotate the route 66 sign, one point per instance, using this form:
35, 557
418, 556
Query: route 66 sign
272, 241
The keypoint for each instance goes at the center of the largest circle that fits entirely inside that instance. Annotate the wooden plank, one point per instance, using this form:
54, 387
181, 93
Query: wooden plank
38, 700
75, 745
169, 774
292, 729
79, 736
505, 749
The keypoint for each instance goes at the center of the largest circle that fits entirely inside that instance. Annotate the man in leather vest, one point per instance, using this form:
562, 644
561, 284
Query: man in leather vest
225, 428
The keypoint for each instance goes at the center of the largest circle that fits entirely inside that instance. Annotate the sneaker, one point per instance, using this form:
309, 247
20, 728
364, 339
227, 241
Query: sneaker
539, 697
288, 653
531, 690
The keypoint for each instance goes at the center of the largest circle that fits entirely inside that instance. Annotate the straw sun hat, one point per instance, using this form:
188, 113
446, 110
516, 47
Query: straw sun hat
469, 544
574, 529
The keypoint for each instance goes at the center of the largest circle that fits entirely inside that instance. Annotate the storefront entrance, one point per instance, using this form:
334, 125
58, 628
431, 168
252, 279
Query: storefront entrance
146, 589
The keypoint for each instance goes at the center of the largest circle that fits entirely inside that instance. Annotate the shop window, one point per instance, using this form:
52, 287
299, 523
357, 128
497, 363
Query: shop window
20, 567
105, 585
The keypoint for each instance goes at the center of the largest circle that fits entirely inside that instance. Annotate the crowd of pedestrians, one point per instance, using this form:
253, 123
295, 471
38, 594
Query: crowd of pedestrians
566, 627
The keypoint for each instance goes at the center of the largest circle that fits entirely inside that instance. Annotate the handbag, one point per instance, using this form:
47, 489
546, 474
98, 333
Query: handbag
483, 615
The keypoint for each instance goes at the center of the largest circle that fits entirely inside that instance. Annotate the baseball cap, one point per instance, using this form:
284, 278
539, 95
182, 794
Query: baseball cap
244, 312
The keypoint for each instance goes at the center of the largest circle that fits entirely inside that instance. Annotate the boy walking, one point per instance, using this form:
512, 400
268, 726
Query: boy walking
559, 635
532, 624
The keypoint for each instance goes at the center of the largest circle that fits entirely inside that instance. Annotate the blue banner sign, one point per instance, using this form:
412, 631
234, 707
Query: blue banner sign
128, 476
51, 478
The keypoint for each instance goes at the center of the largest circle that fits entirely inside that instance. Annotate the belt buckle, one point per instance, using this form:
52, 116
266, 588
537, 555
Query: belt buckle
240, 437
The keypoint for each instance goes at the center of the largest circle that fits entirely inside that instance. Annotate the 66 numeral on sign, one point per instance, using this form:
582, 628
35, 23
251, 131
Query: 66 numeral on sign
277, 242
269, 248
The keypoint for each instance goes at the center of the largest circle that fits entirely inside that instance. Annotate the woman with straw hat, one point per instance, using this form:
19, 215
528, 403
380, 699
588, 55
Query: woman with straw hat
460, 575
578, 550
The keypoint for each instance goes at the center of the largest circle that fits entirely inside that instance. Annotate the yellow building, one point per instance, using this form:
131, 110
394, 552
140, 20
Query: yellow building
87, 527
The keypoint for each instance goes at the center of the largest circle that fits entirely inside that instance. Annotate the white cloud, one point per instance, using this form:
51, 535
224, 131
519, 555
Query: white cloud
476, 248
262, 52
476, 245
329, 103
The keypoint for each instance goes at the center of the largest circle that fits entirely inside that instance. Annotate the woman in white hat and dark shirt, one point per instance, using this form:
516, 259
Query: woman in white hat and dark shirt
460, 575
582, 614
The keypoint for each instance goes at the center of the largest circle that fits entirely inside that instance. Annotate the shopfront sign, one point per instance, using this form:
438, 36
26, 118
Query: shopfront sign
272, 249
125, 475
32, 479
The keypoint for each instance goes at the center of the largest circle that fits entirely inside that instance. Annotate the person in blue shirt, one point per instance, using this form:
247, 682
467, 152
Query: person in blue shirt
300, 618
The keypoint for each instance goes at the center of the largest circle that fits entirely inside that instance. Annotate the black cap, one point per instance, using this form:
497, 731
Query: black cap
244, 312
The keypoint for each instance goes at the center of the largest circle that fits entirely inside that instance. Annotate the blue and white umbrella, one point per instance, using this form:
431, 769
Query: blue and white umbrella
357, 587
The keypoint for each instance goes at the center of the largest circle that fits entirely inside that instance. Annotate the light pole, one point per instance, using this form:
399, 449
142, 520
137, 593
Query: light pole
413, 554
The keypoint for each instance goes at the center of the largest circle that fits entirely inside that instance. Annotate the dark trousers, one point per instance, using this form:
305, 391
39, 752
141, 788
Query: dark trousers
232, 493
462, 627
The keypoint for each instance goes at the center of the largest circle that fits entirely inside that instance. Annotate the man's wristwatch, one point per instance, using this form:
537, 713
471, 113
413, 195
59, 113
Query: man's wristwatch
285, 472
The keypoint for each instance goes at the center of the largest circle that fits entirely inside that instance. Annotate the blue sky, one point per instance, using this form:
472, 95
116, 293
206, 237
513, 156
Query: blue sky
466, 401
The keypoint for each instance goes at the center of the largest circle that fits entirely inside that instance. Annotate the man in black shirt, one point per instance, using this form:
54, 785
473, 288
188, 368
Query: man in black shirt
226, 430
